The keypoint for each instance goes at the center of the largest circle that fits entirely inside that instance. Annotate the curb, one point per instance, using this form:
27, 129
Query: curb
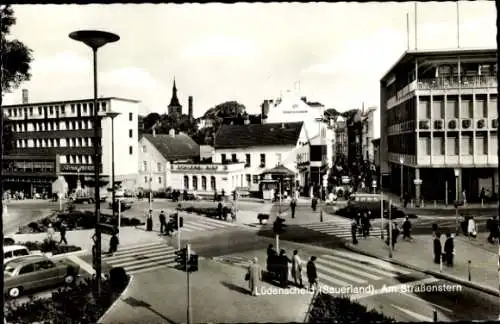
119, 298
311, 305
437, 274
65, 255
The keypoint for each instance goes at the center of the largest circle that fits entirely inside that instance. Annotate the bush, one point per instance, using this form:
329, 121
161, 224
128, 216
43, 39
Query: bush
118, 279
50, 246
75, 304
329, 309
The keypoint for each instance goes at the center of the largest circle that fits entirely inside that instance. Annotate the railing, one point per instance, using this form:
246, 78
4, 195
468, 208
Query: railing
455, 82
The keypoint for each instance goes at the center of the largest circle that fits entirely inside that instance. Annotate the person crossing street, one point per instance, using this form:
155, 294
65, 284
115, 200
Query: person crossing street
163, 222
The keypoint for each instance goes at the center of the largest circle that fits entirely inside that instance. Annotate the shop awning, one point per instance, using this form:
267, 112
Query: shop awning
280, 170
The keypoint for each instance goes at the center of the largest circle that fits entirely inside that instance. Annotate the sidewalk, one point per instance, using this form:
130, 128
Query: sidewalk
219, 294
418, 255
83, 238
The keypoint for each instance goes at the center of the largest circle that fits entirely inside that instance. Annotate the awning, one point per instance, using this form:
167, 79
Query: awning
280, 170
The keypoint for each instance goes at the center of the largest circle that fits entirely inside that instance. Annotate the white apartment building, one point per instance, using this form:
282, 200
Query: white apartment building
368, 133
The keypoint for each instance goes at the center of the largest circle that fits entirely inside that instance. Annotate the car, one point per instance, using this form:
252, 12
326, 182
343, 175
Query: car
11, 252
36, 272
124, 205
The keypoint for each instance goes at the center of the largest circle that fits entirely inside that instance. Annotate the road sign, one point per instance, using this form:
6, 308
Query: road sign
374, 184
417, 181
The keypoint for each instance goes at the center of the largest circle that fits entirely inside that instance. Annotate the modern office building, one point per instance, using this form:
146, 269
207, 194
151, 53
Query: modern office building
55, 138
439, 126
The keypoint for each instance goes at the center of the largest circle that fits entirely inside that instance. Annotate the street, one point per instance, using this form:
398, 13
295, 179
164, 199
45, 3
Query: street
22, 212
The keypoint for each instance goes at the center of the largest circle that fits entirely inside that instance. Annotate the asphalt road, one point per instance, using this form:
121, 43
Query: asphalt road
22, 212
458, 303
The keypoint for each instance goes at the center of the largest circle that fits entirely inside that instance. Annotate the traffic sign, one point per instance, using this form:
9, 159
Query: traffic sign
417, 181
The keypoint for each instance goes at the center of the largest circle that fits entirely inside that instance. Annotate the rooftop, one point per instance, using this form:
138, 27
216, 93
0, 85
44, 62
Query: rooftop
178, 147
68, 102
243, 136
412, 54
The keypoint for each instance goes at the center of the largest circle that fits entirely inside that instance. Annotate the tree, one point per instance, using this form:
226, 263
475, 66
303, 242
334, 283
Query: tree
16, 57
7, 136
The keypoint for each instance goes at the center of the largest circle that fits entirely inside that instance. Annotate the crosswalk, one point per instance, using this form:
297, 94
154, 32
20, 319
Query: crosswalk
339, 227
141, 258
201, 224
339, 269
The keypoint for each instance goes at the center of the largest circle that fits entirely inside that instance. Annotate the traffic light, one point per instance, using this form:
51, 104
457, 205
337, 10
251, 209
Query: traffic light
279, 226
193, 263
173, 220
181, 259
181, 221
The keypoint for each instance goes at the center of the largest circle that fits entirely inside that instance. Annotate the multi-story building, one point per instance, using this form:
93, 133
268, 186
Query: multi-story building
354, 138
260, 147
368, 133
56, 139
439, 126
157, 152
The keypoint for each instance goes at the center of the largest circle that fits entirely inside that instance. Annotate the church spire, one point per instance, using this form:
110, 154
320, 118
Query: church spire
174, 102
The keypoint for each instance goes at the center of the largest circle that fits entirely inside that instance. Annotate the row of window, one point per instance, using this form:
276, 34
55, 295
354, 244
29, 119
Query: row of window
56, 126
248, 162
55, 142
145, 165
29, 166
466, 145
438, 108
83, 108
76, 159
194, 183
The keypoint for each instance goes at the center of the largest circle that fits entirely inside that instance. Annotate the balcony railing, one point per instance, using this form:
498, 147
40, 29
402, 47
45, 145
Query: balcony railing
453, 82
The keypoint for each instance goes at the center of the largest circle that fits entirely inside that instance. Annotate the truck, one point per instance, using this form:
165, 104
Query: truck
87, 195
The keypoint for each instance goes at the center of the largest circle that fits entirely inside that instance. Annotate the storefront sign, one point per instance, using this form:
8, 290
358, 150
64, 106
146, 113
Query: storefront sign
76, 168
197, 167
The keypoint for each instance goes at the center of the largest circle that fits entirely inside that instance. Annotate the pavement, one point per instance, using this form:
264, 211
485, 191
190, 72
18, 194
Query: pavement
22, 212
418, 255
218, 293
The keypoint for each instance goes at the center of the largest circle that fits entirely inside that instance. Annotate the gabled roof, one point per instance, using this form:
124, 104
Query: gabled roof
243, 136
177, 147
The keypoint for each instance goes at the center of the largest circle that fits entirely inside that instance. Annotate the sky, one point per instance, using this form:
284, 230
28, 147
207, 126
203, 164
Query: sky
244, 52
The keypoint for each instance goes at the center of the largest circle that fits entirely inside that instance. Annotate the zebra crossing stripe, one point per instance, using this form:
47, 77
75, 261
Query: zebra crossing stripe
373, 261
356, 264
349, 269
339, 273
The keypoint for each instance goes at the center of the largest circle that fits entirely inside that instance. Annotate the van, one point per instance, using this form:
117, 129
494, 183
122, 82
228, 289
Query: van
14, 251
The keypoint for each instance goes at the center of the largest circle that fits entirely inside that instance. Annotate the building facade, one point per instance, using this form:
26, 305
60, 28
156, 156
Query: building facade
259, 147
157, 152
62, 132
354, 139
368, 133
439, 126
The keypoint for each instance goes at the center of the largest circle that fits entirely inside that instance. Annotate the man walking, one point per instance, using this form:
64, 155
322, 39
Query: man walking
163, 222
293, 204
492, 227
283, 262
312, 275
406, 229
438, 249
354, 230
62, 233
297, 269
449, 247
113, 244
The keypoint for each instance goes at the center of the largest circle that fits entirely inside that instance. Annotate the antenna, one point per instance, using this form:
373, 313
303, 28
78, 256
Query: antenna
416, 28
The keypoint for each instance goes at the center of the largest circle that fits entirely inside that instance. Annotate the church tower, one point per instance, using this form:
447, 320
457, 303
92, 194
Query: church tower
174, 108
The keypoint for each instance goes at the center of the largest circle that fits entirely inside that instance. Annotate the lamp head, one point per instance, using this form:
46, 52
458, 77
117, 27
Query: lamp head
112, 114
94, 38
457, 172
401, 160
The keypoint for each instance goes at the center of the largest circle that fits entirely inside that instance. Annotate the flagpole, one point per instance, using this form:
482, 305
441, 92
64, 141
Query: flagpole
416, 33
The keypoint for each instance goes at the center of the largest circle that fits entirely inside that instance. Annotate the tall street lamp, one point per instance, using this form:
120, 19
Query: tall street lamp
96, 39
401, 161
112, 115
457, 174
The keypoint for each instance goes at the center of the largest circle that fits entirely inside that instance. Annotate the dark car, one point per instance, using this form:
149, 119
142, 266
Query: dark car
124, 205
351, 210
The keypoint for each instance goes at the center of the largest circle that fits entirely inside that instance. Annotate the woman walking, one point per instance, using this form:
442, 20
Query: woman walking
254, 276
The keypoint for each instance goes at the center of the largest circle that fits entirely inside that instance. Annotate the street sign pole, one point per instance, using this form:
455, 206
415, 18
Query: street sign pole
119, 215
188, 248
277, 243
390, 229
178, 231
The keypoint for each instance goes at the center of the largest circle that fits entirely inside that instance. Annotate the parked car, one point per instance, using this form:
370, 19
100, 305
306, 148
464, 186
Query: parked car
124, 205
8, 240
36, 272
11, 252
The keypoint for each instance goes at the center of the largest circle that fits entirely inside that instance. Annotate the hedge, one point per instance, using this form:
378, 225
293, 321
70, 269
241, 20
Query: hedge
329, 309
75, 304
50, 246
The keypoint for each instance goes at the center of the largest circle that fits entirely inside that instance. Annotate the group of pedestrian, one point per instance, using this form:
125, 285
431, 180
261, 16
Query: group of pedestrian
361, 225
445, 254
277, 268
62, 233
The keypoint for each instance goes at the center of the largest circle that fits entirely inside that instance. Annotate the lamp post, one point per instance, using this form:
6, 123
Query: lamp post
112, 115
457, 173
96, 39
401, 161
78, 183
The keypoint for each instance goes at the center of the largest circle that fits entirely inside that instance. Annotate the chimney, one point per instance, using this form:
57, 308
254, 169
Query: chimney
190, 107
171, 132
25, 96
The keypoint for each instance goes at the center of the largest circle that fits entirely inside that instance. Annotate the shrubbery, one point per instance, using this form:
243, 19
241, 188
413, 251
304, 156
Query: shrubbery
209, 212
50, 246
75, 304
76, 220
329, 309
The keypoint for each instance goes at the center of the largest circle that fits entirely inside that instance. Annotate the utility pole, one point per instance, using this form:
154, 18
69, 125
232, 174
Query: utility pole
188, 247
178, 230
390, 229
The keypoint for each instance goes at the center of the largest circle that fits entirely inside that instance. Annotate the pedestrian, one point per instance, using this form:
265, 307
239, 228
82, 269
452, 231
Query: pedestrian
62, 233
438, 249
220, 210
449, 249
358, 222
492, 227
113, 244
435, 229
297, 269
471, 228
50, 232
395, 234
496, 229
271, 261
293, 204
314, 203
254, 276
215, 195
163, 222
369, 217
354, 229
406, 229
233, 212
312, 275
283, 271
366, 225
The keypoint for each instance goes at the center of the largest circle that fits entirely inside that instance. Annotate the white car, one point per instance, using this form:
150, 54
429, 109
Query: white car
11, 252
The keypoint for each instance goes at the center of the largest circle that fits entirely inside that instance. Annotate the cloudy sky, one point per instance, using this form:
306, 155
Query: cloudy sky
243, 52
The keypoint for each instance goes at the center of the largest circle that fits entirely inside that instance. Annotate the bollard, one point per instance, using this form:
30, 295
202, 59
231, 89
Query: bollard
468, 270
435, 203
435, 315
482, 203
441, 263
423, 203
